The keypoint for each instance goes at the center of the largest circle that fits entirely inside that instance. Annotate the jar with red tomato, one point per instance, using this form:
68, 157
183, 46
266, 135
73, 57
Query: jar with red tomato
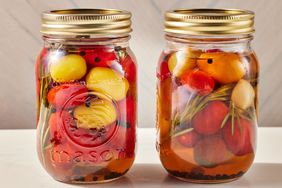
207, 95
86, 95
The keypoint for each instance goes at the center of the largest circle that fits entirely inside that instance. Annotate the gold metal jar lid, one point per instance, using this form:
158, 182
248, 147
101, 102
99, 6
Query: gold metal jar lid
97, 22
209, 21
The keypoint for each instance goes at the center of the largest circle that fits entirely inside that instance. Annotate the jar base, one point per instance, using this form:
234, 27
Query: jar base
96, 182
90, 182
205, 179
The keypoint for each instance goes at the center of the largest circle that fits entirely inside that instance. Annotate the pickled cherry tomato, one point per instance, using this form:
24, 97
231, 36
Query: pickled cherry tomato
67, 95
100, 57
163, 71
199, 81
90, 137
181, 61
188, 139
40, 61
68, 68
208, 120
241, 140
224, 67
127, 109
129, 68
107, 81
211, 151
56, 131
124, 140
213, 50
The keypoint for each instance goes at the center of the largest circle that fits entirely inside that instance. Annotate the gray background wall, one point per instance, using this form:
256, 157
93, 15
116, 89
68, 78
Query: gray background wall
20, 42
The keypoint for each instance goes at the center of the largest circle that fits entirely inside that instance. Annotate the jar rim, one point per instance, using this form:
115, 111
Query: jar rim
209, 21
84, 22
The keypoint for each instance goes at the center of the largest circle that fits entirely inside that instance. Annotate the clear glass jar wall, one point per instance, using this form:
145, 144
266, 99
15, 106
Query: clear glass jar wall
207, 106
86, 107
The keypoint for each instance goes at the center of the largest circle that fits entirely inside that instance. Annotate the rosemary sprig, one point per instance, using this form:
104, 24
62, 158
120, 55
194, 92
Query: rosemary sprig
232, 117
196, 104
45, 81
45, 111
239, 123
49, 146
182, 132
46, 133
235, 112
199, 102
43, 128
225, 120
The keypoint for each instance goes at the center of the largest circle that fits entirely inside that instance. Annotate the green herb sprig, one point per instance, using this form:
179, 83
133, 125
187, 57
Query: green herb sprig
197, 103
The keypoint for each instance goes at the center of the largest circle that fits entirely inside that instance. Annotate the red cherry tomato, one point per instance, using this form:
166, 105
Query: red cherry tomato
38, 64
242, 140
124, 140
127, 111
100, 57
163, 72
188, 139
211, 151
56, 131
199, 81
213, 50
208, 120
129, 68
67, 95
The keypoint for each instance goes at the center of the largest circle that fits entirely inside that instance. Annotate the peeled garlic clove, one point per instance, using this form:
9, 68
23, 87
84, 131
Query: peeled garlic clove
107, 81
99, 114
243, 94
181, 61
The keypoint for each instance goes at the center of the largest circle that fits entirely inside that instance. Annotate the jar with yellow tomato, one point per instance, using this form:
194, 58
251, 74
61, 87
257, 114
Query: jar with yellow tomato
207, 95
86, 95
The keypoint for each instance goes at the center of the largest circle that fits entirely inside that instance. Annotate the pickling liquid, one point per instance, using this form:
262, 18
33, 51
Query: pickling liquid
86, 112
207, 114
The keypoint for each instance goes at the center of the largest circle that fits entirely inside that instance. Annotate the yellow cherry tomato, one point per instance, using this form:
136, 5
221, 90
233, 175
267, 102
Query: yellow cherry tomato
222, 66
68, 68
107, 81
181, 61
99, 114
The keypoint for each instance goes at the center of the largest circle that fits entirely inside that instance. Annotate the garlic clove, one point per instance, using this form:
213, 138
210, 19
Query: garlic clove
243, 94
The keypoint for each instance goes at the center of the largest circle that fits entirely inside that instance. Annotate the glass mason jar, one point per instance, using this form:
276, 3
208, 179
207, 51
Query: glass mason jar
86, 95
207, 95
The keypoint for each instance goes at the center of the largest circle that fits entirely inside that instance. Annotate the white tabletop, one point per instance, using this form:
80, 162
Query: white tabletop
19, 166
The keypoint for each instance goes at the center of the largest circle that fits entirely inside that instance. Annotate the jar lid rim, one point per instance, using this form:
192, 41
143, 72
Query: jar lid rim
98, 22
209, 21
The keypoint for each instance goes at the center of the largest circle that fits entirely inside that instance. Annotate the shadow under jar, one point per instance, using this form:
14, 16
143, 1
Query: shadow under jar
207, 95
86, 95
